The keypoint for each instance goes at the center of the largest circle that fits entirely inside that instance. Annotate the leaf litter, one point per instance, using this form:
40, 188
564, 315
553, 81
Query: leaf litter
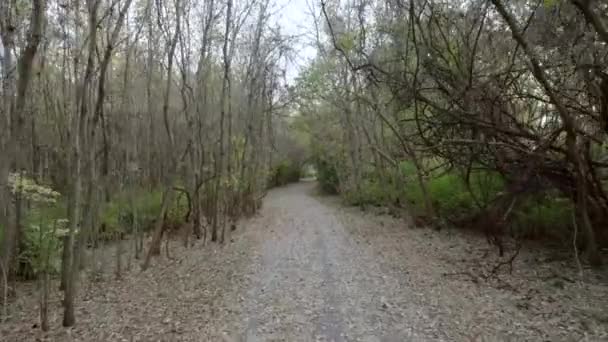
307, 269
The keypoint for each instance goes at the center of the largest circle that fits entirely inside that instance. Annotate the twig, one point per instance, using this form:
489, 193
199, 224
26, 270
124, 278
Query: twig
576, 257
554, 275
4, 294
474, 278
167, 248
507, 262
506, 215
185, 192
261, 197
385, 156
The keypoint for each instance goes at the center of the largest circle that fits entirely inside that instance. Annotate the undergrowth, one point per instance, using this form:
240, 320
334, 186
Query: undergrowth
284, 173
541, 215
43, 226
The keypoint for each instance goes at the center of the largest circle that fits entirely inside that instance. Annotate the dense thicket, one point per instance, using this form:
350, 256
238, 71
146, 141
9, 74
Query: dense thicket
476, 113
121, 116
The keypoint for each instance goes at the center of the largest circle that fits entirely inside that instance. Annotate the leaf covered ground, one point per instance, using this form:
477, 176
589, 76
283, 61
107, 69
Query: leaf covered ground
306, 269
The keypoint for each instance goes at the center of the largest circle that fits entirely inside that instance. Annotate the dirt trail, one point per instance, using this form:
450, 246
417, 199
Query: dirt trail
325, 273
305, 269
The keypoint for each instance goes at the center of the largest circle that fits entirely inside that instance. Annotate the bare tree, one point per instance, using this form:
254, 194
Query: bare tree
15, 86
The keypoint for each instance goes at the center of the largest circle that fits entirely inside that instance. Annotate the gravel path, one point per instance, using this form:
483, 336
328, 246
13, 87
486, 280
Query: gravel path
325, 273
306, 269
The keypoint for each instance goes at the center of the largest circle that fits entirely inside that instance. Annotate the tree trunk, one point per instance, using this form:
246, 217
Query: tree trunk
17, 141
44, 301
155, 244
571, 128
224, 115
78, 134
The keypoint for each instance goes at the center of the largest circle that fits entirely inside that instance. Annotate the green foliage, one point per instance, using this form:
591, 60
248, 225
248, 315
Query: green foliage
178, 210
540, 216
44, 223
451, 197
43, 226
284, 173
544, 216
346, 41
448, 190
327, 176
139, 209
374, 191
42, 242
449, 193
144, 208
550, 3
115, 216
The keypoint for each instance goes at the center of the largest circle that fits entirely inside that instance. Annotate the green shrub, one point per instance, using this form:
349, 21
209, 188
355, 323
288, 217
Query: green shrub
140, 209
284, 173
43, 230
147, 205
375, 189
110, 217
543, 216
178, 209
43, 223
327, 176
450, 195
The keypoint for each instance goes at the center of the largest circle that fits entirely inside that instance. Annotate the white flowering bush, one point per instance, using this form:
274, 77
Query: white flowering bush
27, 188
43, 225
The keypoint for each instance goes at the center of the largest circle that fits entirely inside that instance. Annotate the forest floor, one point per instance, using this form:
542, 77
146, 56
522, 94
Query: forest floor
307, 269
